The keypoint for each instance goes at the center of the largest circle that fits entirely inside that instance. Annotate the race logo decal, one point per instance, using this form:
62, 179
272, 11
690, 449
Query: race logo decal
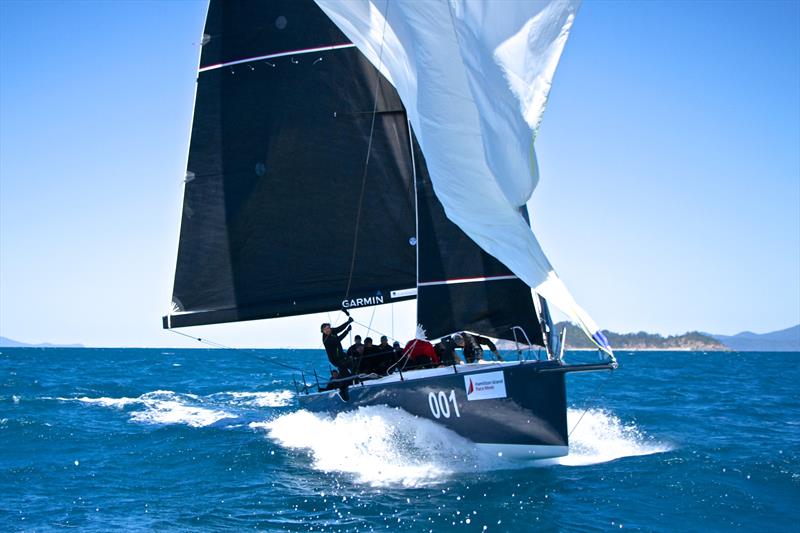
485, 386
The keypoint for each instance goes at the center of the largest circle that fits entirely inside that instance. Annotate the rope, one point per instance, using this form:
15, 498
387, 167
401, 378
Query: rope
404, 359
369, 328
223, 347
594, 394
369, 151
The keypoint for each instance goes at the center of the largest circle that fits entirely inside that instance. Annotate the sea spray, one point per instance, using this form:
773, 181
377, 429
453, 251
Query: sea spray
380, 446
599, 436
255, 399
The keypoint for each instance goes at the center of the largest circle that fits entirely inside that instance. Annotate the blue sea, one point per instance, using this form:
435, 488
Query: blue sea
211, 440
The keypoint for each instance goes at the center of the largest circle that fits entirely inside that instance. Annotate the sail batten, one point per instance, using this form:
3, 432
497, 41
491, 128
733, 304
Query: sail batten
456, 281
277, 55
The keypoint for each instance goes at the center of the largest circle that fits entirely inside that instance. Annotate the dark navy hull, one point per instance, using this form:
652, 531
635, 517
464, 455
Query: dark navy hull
515, 408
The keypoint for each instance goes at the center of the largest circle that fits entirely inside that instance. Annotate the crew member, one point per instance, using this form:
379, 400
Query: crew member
420, 354
387, 355
384, 345
332, 340
471, 346
395, 358
331, 384
446, 350
356, 349
370, 362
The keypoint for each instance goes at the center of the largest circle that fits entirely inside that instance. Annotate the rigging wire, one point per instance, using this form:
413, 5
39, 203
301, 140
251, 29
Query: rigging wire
369, 151
223, 347
369, 328
375, 330
593, 395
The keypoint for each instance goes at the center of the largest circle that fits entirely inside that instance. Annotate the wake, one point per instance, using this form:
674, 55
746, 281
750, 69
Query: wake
377, 445
383, 446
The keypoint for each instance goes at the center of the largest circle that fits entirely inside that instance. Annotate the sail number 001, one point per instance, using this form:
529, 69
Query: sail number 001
440, 404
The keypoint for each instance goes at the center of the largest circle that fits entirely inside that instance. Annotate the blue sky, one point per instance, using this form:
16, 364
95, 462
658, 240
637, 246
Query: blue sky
670, 161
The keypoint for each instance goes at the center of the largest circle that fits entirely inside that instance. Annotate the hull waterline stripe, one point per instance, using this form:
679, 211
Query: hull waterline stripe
279, 54
524, 451
464, 280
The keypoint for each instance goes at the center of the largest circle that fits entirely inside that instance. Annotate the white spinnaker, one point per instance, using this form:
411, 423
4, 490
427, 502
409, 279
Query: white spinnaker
474, 78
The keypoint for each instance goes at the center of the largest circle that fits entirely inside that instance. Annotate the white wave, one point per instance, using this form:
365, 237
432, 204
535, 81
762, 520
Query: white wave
601, 436
163, 407
117, 403
167, 407
175, 412
380, 446
258, 399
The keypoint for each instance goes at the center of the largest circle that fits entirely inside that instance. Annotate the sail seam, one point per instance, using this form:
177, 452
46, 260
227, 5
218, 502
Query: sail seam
456, 281
278, 54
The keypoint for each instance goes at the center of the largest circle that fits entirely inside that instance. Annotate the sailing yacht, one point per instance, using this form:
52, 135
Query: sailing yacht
352, 154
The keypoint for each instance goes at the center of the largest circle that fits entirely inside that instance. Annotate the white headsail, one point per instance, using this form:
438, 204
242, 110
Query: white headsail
474, 77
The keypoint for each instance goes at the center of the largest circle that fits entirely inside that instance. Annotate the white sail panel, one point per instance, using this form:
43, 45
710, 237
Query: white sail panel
474, 78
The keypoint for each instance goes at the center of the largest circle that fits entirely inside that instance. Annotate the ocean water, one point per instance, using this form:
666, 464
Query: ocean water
208, 440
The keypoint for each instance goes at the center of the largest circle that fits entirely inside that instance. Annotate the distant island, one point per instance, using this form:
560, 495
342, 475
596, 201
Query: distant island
692, 341
786, 340
5, 342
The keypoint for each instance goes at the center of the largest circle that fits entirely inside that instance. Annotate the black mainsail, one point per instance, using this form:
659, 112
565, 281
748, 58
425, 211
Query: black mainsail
282, 127
290, 122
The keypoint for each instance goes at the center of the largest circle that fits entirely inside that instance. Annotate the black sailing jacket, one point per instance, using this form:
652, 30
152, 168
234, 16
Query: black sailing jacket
333, 344
472, 348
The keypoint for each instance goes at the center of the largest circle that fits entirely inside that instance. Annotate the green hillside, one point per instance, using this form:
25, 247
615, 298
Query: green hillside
693, 340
